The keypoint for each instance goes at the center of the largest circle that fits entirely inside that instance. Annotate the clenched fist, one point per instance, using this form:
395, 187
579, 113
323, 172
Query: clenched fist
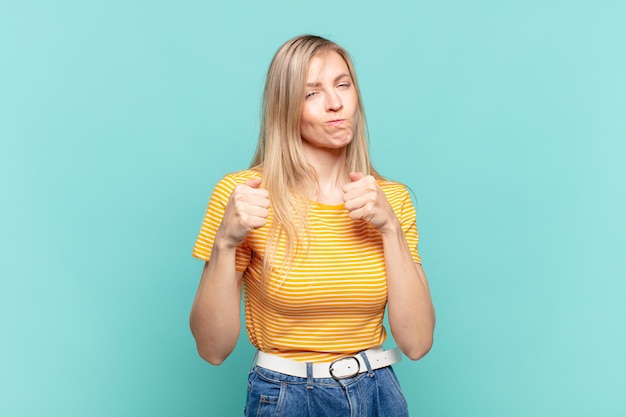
247, 209
364, 199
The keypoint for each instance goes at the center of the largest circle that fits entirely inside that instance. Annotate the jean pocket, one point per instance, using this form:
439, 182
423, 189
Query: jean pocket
265, 398
268, 406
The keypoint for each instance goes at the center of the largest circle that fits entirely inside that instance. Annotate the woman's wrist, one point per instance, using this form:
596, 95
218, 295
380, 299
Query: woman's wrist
224, 243
391, 228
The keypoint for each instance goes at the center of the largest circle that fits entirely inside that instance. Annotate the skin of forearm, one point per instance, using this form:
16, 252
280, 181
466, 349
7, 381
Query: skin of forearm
410, 309
215, 314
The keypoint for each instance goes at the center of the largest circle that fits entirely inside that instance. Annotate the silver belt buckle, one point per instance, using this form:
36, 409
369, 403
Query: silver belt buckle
347, 370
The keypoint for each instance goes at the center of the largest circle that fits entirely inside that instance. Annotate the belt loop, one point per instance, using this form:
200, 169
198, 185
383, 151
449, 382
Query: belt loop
309, 375
370, 372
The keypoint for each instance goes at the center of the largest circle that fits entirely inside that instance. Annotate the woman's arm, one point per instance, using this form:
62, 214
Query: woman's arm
411, 312
215, 318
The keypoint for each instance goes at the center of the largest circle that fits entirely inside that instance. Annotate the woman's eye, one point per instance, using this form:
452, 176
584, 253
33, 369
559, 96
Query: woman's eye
310, 94
344, 85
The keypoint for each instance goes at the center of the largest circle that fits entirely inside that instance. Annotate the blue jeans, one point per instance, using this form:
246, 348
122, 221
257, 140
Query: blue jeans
375, 393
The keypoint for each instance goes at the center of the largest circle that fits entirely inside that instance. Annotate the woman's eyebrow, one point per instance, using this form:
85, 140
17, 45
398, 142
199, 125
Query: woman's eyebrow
337, 78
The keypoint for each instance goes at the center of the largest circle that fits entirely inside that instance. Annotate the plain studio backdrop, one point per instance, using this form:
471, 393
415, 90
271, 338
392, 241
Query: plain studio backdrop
507, 119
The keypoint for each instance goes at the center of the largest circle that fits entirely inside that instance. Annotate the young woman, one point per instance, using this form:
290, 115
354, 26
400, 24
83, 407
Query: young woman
320, 243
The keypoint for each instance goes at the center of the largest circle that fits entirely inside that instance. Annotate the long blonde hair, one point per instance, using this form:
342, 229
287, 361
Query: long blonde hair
287, 175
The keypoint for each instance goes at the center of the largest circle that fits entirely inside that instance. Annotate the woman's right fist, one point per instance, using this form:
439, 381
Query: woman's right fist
247, 209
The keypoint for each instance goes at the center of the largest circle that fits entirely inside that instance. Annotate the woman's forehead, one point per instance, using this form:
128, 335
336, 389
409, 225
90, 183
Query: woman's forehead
327, 64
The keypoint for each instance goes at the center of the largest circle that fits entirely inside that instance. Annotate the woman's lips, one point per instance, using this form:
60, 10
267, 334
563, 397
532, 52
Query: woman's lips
336, 122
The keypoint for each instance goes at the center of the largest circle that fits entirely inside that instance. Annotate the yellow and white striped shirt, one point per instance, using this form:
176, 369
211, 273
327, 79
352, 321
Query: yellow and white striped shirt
332, 302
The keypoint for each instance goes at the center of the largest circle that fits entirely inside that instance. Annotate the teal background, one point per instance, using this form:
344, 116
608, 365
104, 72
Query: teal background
506, 118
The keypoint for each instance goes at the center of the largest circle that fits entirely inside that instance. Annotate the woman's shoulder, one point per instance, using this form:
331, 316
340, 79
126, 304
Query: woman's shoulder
396, 192
389, 186
244, 175
228, 182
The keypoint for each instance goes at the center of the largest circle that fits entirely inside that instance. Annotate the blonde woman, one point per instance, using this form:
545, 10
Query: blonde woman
320, 244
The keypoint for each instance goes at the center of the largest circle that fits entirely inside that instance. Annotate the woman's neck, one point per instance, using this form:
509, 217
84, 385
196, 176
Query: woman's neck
331, 173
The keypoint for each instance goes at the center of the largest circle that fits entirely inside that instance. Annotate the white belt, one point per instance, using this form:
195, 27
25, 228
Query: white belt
346, 367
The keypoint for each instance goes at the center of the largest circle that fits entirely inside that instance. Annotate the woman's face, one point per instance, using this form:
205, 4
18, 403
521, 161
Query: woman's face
330, 106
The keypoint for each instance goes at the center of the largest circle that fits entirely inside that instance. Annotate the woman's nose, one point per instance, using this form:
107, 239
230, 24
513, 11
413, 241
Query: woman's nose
333, 102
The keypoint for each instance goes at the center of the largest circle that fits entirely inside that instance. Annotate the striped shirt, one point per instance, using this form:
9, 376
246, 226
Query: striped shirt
331, 303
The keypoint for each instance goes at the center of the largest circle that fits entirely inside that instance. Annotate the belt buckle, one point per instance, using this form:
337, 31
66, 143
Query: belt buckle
332, 369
